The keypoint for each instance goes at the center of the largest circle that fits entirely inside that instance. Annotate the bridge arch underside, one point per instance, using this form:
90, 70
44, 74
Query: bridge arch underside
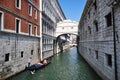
72, 33
64, 40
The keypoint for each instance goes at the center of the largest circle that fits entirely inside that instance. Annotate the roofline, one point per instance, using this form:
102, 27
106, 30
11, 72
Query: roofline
61, 9
88, 4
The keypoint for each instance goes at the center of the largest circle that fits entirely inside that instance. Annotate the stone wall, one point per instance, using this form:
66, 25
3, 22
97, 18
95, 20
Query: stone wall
117, 24
20, 48
96, 43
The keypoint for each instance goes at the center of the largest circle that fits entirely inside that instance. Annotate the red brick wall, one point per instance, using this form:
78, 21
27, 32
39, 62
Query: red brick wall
38, 30
9, 19
32, 29
24, 26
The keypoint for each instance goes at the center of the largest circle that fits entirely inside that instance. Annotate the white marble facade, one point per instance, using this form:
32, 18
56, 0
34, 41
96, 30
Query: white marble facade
51, 14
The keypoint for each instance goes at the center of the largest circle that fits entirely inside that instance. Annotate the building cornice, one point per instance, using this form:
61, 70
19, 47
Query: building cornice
33, 4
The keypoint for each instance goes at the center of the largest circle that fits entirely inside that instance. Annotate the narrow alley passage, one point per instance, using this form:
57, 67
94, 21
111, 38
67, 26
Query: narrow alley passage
68, 65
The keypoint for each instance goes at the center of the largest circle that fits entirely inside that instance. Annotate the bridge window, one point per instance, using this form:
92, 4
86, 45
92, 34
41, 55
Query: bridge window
71, 27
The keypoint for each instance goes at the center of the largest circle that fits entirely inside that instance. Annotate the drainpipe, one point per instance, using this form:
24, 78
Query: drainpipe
114, 39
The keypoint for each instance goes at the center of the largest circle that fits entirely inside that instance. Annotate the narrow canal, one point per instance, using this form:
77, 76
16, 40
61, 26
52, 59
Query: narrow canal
68, 65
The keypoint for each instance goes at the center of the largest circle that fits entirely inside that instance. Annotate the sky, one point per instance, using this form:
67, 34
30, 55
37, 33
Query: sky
73, 8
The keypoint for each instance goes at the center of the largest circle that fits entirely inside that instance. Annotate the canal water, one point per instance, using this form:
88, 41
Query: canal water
68, 65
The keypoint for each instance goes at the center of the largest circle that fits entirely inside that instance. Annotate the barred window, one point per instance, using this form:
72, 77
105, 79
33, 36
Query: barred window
7, 57
109, 60
109, 19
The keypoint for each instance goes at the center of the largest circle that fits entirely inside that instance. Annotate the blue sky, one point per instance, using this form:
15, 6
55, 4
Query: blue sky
72, 8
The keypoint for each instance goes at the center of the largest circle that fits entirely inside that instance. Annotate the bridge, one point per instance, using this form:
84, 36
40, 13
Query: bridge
67, 27
66, 34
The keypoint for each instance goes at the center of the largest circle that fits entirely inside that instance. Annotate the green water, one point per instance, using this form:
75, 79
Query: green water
65, 66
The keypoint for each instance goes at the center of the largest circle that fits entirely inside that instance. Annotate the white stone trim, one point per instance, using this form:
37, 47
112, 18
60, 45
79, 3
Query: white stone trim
19, 4
2, 21
24, 33
8, 30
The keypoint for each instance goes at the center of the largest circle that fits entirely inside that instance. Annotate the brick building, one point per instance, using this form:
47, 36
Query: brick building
19, 35
99, 30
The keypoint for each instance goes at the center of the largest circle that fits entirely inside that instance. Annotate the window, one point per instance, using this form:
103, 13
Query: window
89, 51
35, 31
18, 25
1, 20
38, 51
22, 54
18, 4
30, 10
96, 25
35, 13
95, 5
7, 56
31, 52
62, 27
108, 20
89, 14
109, 60
30, 29
71, 27
89, 29
96, 54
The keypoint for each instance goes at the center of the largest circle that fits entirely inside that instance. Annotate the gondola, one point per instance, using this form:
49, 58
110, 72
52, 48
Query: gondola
33, 67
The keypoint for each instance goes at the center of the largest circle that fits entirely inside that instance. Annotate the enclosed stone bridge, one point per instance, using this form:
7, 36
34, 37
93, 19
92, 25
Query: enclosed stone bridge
64, 31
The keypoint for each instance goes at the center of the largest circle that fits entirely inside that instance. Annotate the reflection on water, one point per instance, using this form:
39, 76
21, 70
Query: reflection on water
65, 66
